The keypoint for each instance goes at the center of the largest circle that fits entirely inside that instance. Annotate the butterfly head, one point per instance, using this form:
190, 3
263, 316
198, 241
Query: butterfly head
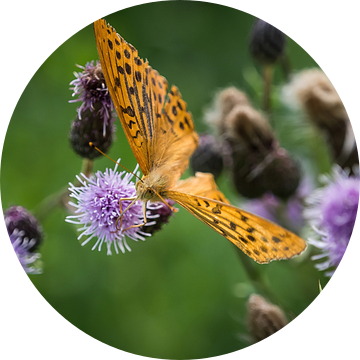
145, 192
153, 189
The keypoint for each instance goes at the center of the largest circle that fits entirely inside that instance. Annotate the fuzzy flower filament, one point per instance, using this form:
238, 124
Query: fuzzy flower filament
332, 212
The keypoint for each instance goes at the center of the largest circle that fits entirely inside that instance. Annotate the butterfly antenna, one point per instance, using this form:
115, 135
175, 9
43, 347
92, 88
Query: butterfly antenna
102, 153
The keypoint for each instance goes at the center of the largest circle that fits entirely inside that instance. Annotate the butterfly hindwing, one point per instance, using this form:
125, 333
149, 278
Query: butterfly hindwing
260, 239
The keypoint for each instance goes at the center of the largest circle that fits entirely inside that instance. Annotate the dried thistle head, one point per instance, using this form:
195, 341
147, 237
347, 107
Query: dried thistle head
263, 318
224, 101
312, 91
249, 127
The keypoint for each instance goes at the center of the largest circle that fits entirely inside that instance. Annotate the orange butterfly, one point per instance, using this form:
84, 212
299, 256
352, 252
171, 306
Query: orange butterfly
162, 137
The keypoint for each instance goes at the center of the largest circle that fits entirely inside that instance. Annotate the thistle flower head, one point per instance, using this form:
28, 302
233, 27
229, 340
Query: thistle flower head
25, 236
91, 89
160, 214
331, 210
97, 210
95, 121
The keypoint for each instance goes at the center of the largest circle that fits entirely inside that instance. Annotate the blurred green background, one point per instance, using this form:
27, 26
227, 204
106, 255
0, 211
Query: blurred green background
182, 293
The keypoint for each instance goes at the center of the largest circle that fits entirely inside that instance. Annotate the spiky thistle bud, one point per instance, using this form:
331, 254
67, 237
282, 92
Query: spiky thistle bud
90, 127
266, 42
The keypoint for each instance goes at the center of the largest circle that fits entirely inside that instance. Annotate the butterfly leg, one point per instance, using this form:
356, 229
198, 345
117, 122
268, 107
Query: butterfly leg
122, 212
145, 219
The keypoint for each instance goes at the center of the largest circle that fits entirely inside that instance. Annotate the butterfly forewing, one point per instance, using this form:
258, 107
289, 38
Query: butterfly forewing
176, 138
138, 91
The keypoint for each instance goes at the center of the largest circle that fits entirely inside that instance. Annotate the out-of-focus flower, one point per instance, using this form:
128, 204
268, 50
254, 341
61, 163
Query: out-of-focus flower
255, 173
250, 149
25, 235
312, 91
288, 213
263, 318
97, 210
250, 128
224, 101
267, 43
331, 211
207, 157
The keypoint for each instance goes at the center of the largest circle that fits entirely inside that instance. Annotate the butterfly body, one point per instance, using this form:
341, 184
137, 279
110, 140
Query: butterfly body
162, 136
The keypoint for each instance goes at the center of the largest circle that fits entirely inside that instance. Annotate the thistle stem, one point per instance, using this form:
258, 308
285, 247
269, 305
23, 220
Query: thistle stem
268, 72
255, 276
49, 203
61, 197
87, 167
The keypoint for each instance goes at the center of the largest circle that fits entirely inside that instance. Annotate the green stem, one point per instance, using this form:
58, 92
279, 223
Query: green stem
257, 280
255, 276
268, 71
61, 197
285, 66
87, 167
49, 203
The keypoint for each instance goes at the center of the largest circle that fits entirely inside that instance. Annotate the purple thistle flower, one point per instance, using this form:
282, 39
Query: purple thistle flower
332, 212
97, 209
25, 235
91, 89
22, 247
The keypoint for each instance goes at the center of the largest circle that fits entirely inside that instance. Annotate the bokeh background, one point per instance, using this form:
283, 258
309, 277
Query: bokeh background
182, 293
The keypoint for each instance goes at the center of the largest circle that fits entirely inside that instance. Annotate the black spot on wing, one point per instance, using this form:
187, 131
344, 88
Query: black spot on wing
251, 238
232, 226
276, 239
